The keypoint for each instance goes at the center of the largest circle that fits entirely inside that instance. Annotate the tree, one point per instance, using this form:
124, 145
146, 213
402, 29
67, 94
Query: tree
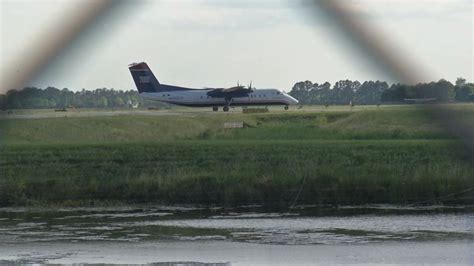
3, 102
370, 92
102, 102
301, 91
460, 82
463, 91
119, 102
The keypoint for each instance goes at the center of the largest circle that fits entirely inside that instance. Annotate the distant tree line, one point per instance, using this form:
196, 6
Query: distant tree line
36, 98
342, 92
375, 92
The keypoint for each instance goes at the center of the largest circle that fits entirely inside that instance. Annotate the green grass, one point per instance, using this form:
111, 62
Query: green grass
386, 123
390, 155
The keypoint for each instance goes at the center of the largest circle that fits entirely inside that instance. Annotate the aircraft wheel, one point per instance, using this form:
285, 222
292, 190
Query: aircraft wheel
215, 108
226, 109
286, 107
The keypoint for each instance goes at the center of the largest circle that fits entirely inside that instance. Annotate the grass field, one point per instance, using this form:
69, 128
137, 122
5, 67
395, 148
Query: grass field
310, 156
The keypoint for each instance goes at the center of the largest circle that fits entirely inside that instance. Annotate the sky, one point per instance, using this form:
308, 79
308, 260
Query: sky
272, 44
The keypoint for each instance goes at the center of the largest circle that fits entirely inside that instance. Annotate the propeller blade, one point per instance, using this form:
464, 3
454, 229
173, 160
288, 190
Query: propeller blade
250, 87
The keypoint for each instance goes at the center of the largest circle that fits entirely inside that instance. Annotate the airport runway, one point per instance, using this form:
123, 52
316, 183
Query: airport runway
53, 114
50, 113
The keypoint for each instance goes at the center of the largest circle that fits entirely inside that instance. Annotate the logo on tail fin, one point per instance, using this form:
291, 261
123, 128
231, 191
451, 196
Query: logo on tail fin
144, 78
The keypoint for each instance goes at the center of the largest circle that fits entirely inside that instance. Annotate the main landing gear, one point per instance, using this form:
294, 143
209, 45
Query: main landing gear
286, 107
225, 108
228, 101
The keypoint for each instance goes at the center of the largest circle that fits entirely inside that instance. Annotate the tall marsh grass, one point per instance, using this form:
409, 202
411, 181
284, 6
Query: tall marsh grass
235, 173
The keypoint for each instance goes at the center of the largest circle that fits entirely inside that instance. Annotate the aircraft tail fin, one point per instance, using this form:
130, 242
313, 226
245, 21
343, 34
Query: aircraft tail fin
144, 78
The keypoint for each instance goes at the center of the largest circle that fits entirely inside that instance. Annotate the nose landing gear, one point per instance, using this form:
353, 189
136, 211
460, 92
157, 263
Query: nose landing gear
286, 107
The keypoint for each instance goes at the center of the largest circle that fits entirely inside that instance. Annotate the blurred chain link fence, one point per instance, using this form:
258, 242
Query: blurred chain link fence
368, 39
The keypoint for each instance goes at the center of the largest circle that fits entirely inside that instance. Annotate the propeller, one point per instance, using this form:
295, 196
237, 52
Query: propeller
243, 87
250, 89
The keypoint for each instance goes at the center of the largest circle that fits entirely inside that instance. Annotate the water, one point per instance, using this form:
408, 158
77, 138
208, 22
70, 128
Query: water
72, 235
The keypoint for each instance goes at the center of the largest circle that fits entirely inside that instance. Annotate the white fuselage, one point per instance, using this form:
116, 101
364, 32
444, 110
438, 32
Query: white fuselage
200, 98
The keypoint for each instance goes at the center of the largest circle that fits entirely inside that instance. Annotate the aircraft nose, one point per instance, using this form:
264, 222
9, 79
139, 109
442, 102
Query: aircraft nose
293, 100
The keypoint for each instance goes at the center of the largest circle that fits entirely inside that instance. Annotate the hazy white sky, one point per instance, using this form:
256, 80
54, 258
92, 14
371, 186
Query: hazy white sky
217, 43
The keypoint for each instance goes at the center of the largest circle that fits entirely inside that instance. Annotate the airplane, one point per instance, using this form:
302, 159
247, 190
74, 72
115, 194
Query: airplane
150, 88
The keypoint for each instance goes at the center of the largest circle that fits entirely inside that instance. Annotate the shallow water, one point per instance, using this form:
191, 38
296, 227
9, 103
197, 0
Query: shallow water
301, 227
132, 227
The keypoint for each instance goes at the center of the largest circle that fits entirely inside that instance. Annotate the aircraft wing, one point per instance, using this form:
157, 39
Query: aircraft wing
237, 91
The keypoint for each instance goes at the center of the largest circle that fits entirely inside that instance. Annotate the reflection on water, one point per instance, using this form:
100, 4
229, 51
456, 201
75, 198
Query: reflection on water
300, 226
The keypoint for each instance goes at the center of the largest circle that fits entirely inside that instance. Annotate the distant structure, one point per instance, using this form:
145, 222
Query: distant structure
421, 100
236, 124
132, 104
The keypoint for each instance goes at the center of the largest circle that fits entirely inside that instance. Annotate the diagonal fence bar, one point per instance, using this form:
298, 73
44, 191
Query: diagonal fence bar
376, 47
